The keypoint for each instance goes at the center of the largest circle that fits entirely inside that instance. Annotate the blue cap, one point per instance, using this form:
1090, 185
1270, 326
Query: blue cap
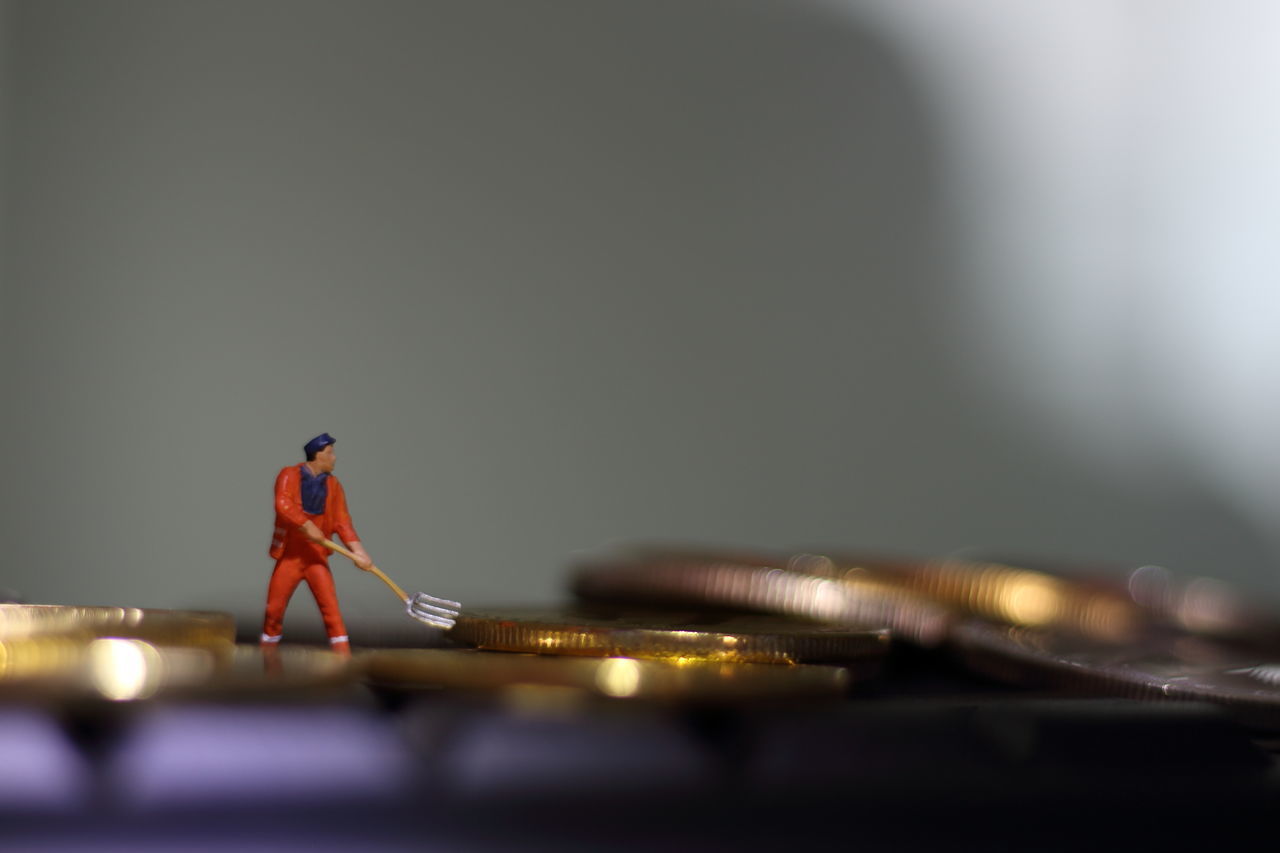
315, 445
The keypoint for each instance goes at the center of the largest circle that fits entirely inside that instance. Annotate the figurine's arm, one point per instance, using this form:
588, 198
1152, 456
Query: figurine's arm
365, 563
345, 529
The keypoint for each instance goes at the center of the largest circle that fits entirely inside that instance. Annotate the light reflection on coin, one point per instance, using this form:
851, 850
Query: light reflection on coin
999, 592
1200, 605
616, 678
761, 584
288, 671
119, 653
58, 668
604, 632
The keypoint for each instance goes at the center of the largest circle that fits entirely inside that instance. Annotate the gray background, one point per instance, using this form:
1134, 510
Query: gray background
555, 274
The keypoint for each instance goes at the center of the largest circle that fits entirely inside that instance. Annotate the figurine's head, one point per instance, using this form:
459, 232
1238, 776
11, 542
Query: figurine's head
320, 453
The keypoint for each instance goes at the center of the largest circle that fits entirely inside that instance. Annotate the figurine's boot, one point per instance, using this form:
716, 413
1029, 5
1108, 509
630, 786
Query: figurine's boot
341, 646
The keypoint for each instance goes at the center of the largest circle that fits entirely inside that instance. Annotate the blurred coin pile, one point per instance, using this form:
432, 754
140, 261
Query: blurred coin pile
696, 625
1138, 633
74, 653
788, 619
632, 653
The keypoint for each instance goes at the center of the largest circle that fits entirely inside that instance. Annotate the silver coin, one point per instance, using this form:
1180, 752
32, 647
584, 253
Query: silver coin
1158, 666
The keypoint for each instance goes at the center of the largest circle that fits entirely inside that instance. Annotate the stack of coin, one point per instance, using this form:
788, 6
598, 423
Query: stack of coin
1158, 666
666, 656
812, 619
1198, 605
1027, 626
732, 624
188, 628
613, 678
57, 652
999, 592
785, 585
671, 636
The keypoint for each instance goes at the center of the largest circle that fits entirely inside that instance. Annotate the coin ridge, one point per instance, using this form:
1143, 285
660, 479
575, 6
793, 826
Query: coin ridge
520, 633
772, 589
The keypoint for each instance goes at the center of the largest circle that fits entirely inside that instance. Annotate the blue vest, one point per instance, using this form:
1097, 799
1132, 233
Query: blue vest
315, 490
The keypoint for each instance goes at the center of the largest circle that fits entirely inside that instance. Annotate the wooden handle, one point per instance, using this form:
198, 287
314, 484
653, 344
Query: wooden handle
334, 546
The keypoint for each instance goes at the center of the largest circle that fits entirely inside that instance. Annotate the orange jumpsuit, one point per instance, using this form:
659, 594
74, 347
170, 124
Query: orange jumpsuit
299, 559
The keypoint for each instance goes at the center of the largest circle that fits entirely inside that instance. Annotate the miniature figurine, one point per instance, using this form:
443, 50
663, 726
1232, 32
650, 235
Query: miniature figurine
310, 507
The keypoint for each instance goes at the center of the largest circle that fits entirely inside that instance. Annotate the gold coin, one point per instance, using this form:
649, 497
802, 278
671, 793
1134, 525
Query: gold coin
68, 653
913, 595
57, 668
1198, 605
778, 585
292, 671
999, 592
199, 628
601, 632
614, 677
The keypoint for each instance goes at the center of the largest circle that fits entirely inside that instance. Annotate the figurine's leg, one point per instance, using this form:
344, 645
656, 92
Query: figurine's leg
320, 579
284, 580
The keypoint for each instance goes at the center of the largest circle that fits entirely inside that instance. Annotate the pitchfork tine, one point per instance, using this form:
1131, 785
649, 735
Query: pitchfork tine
442, 602
437, 621
430, 608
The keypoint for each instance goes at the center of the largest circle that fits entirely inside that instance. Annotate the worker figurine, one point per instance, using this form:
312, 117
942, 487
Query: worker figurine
310, 507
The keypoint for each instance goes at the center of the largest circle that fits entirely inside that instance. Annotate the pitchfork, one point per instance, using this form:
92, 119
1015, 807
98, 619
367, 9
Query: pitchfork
438, 612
